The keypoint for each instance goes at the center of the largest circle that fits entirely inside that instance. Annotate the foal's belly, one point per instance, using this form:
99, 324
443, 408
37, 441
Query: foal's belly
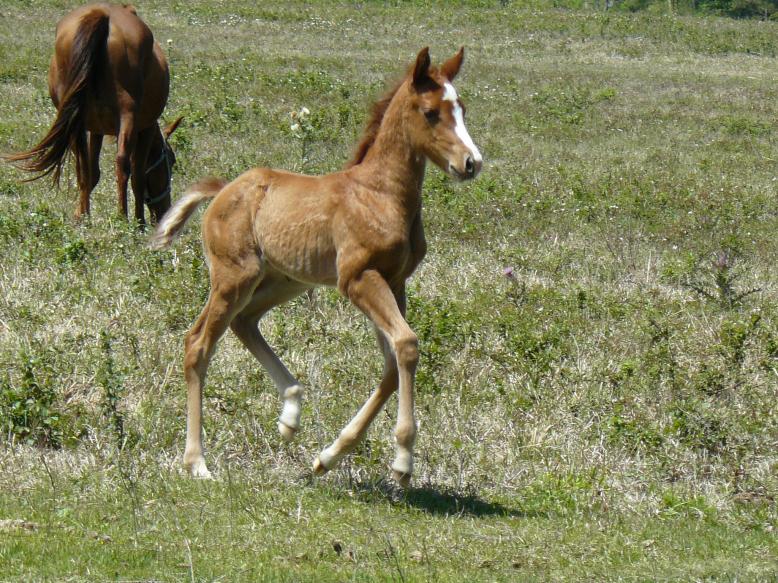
301, 251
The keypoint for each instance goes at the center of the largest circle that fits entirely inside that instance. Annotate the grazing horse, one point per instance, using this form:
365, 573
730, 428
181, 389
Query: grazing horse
108, 77
270, 235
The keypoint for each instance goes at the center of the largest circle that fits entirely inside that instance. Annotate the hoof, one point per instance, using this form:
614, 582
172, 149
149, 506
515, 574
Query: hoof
199, 471
403, 479
318, 468
287, 433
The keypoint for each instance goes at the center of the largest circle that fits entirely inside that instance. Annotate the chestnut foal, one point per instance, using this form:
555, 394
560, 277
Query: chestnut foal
108, 77
270, 235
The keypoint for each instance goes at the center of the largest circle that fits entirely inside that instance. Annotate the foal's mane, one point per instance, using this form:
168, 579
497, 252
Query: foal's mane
374, 124
379, 111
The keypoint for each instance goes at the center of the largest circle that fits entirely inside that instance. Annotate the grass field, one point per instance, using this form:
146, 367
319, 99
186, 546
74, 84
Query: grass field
598, 312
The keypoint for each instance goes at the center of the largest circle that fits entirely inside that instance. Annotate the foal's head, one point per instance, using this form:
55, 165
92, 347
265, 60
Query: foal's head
159, 173
438, 117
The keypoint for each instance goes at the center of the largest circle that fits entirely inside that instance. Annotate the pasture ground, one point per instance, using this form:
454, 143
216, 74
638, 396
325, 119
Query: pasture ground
605, 409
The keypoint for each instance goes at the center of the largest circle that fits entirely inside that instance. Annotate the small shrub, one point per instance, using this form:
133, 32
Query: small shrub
73, 252
635, 433
28, 407
699, 426
110, 379
734, 335
443, 328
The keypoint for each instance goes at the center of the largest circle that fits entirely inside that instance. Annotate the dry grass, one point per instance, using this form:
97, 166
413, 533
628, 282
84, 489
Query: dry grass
592, 416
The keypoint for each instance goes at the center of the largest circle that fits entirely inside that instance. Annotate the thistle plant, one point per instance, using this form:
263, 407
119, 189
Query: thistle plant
302, 129
723, 289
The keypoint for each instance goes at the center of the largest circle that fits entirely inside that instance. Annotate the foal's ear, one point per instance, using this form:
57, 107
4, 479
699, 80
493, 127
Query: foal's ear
450, 68
172, 127
422, 67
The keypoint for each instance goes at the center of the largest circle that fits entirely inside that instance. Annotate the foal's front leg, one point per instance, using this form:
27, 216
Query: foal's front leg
371, 293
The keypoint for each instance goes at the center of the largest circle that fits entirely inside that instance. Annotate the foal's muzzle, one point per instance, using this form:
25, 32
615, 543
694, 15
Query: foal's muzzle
469, 170
472, 167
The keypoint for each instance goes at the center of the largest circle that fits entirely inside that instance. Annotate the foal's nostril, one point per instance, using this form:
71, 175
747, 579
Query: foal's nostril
469, 166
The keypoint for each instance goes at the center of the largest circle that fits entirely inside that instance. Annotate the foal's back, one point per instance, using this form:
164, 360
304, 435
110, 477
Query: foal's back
133, 70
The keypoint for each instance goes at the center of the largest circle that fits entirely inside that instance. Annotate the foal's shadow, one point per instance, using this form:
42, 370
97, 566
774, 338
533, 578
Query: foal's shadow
443, 502
434, 500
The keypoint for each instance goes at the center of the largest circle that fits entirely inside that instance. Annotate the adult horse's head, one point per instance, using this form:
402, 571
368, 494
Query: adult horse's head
159, 172
439, 117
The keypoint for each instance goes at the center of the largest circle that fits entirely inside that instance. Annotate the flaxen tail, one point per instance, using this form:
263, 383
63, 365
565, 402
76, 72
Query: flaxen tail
68, 132
174, 220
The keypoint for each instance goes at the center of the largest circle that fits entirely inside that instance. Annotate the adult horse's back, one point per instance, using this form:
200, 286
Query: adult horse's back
108, 77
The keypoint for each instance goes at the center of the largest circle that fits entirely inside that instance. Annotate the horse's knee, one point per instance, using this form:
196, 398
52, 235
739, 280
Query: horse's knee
407, 351
242, 326
123, 165
193, 353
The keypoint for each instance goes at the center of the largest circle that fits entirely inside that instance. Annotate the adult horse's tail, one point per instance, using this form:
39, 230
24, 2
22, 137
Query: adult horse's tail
68, 130
174, 220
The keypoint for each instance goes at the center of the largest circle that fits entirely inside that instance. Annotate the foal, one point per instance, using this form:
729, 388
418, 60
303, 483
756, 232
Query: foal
108, 77
270, 235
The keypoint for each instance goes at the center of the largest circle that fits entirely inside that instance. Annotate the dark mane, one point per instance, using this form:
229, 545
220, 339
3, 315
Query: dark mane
371, 129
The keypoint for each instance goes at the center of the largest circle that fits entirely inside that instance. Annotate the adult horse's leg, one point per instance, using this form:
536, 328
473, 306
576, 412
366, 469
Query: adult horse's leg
95, 145
89, 172
231, 289
139, 159
371, 293
81, 154
125, 144
269, 293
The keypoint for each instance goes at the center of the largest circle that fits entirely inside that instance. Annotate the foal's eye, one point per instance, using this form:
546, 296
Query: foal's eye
432, 115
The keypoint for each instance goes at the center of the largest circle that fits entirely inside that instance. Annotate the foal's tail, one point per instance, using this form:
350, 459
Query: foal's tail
68, 130
174, 220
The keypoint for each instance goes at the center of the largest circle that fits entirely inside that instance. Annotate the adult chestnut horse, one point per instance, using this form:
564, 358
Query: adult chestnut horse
108, 77
269, 235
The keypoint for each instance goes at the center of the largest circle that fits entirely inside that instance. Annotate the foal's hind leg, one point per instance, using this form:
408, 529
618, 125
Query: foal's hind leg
230, 292
272, 291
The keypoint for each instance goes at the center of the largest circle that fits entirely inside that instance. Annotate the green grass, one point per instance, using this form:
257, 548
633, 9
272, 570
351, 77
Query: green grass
606, 411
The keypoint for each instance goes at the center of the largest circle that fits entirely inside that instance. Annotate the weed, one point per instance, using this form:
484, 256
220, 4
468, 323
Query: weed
734, 335
722, 288
303, 130
699, 425
111, 382
28, 404
73, 252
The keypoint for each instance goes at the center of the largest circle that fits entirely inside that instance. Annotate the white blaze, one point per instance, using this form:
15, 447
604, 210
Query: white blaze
450, 94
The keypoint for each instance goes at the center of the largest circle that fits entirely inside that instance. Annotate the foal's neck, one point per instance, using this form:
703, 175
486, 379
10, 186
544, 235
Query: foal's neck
392, 165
